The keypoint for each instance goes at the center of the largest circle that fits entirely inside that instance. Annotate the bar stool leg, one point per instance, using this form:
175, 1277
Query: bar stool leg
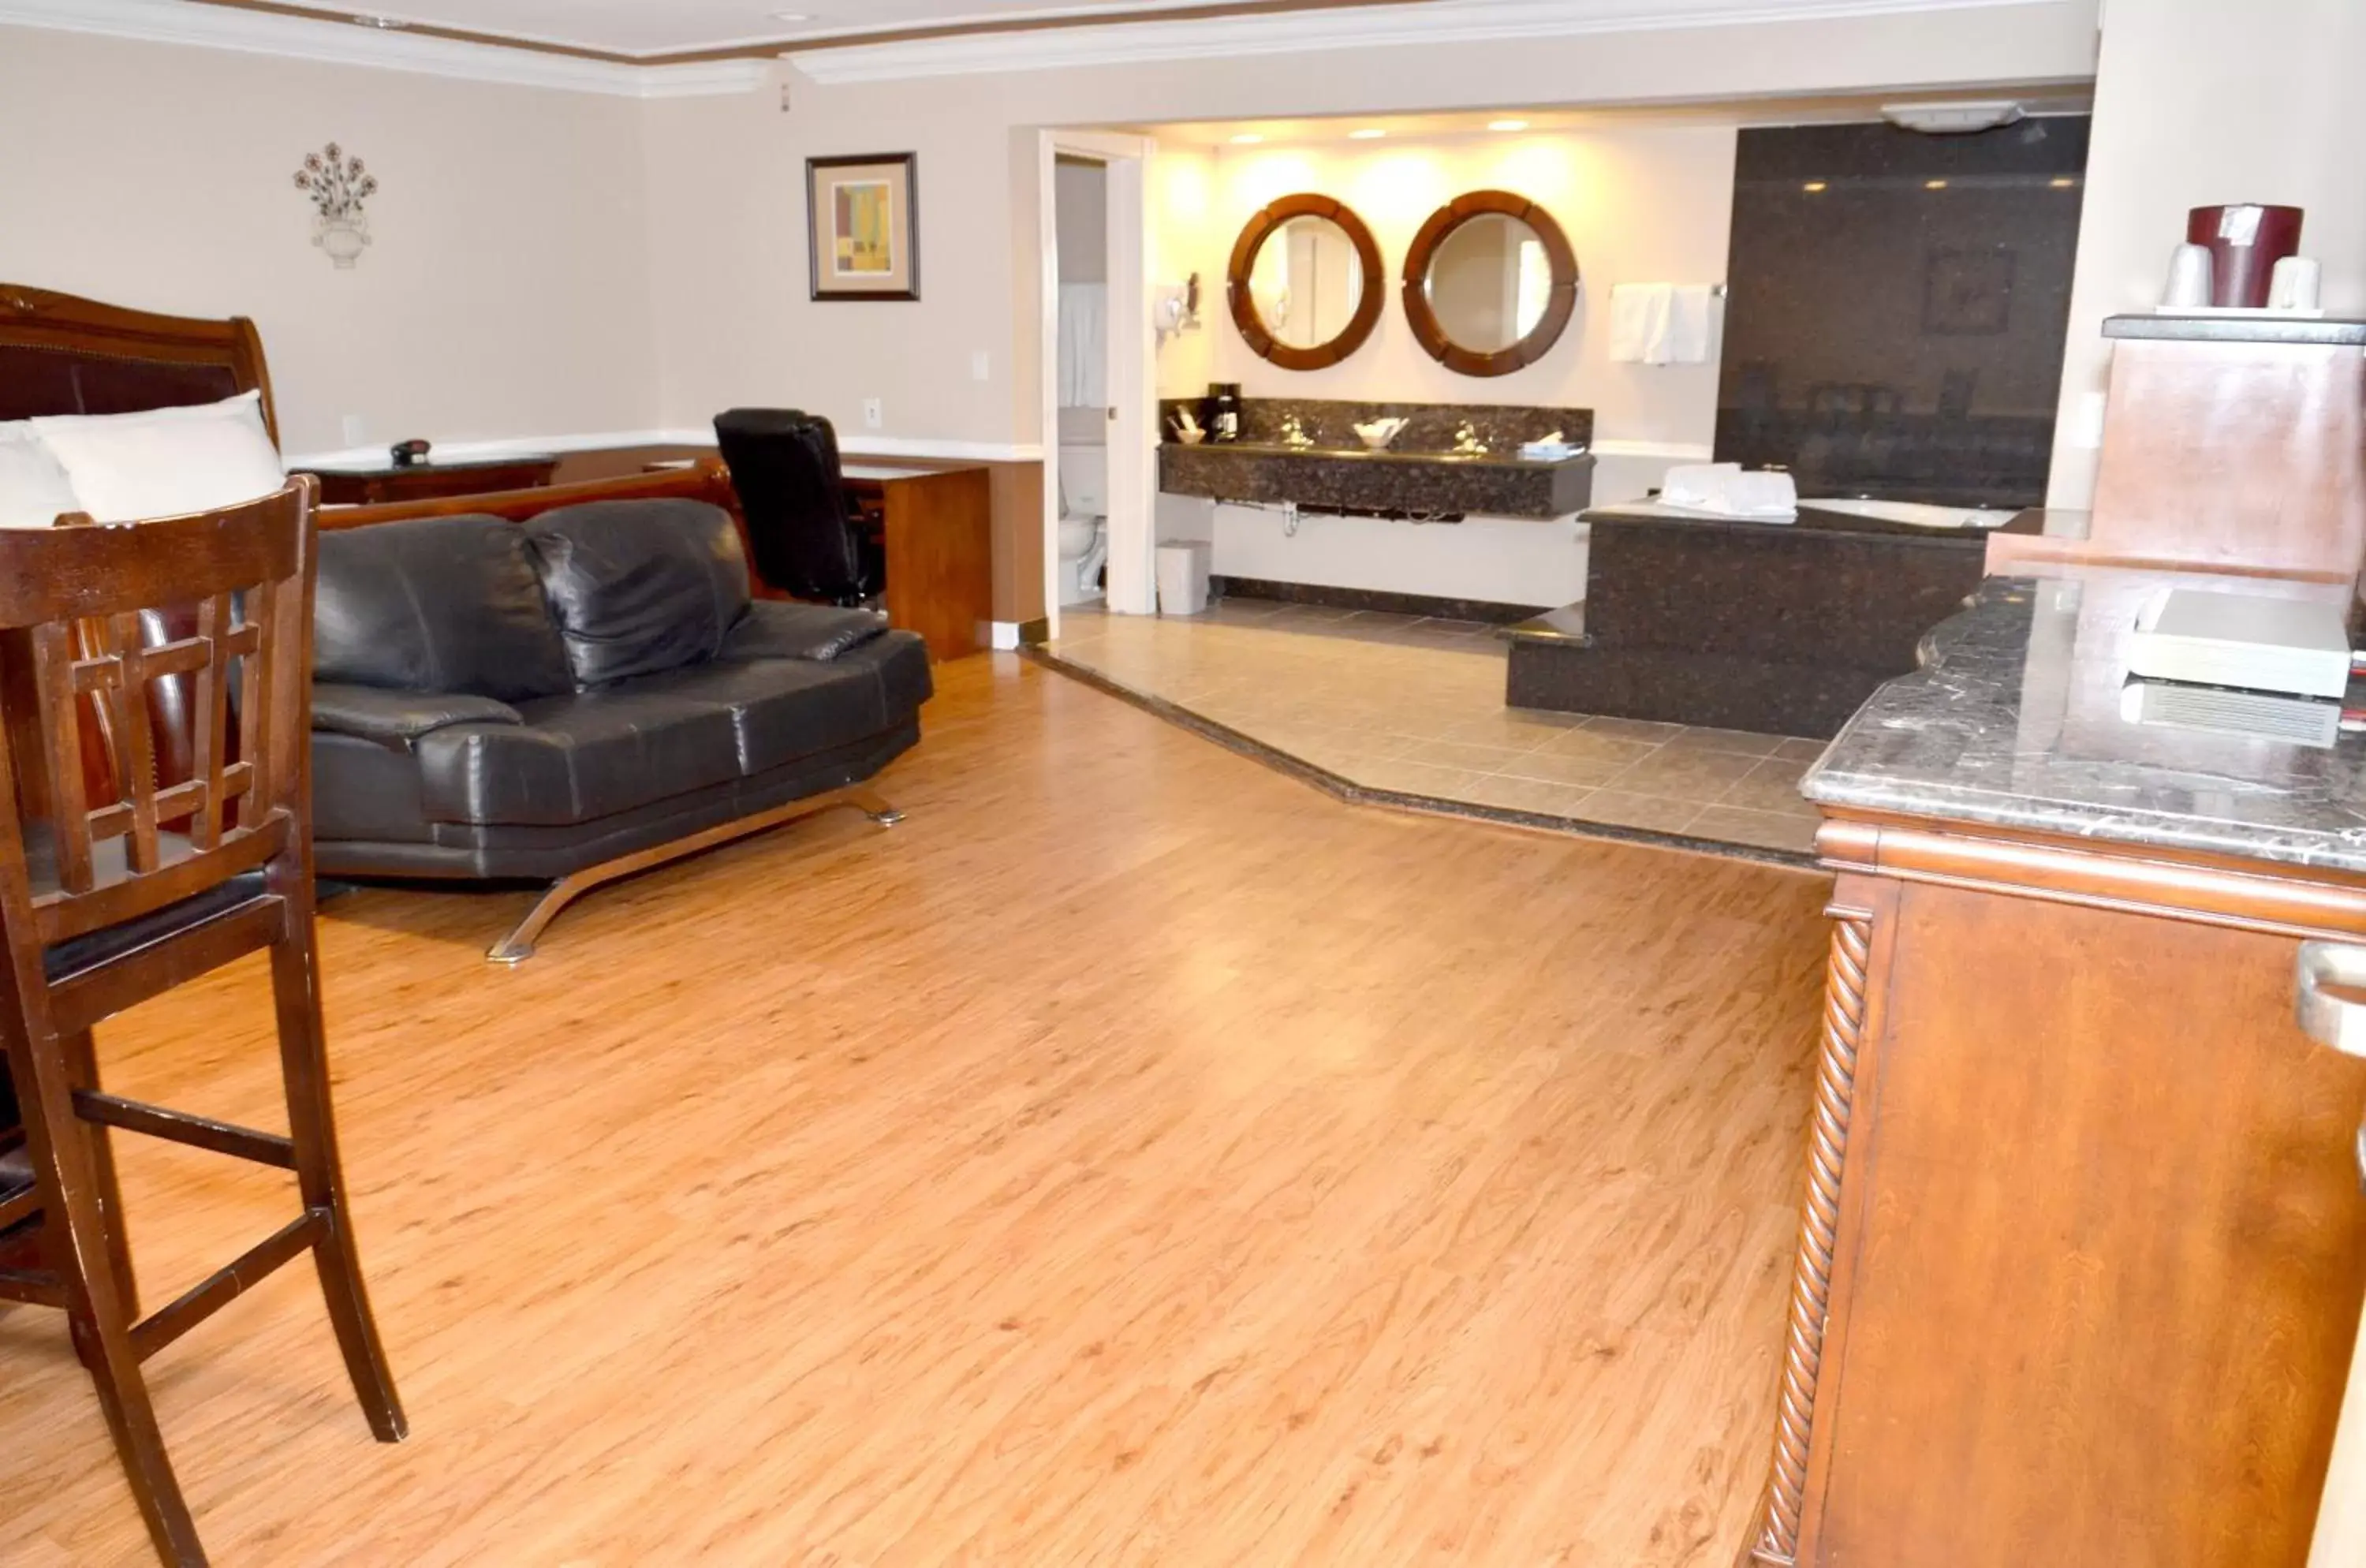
82, 1073
295, 986
102, 1329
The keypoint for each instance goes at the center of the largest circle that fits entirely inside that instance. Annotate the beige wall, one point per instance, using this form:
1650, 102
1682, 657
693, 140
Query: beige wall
1082, 214
506, 293
1640, 205
727, 209
2198, 102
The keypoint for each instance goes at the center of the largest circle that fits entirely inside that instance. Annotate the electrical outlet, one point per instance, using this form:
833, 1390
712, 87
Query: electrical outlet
874, 413
355, 431
981, 366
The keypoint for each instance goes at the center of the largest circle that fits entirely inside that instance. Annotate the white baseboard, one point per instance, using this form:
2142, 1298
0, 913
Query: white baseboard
535, 446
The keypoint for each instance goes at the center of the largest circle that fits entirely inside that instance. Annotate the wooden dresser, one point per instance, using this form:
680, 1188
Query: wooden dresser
2082, 1247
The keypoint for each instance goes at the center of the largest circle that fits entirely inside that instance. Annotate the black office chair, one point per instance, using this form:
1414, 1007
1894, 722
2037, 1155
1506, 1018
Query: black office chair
807, 538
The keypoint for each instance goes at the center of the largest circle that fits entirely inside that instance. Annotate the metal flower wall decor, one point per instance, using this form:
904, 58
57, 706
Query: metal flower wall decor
337, 185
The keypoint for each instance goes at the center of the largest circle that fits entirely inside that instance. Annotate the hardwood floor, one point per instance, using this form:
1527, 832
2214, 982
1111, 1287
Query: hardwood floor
1135, 1158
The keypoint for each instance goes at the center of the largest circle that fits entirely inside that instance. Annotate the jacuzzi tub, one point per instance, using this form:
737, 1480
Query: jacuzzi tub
1915, 512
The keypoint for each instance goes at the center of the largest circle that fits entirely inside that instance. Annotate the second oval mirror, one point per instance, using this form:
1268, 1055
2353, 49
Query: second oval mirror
1490, 284
1306, 283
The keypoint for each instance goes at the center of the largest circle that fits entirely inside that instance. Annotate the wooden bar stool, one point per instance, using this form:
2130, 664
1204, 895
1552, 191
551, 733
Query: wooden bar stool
105, 904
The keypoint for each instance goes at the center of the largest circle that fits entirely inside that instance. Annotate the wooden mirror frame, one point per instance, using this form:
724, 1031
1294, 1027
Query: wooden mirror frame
1263, 226
1430, 333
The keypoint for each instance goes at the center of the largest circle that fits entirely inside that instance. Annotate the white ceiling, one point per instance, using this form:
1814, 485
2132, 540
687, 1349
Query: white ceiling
663, 26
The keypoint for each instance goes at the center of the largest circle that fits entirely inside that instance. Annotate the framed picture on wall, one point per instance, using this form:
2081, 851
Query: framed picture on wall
863, 226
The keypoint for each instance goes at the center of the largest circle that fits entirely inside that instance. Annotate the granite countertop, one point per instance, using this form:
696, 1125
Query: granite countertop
1413, 482
1811, 520
1393, 455
2245, 326
2014, 721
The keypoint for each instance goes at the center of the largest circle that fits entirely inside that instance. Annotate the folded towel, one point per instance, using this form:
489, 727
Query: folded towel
1725, 489
1661, 323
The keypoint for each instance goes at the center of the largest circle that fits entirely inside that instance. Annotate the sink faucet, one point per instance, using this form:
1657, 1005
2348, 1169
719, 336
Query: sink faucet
1293, 431
1467, 443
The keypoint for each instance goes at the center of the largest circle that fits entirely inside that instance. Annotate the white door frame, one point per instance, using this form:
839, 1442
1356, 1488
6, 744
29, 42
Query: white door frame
1133, 476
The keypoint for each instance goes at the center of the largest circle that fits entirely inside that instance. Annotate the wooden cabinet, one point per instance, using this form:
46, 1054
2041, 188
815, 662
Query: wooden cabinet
2082, 1250
431, 482
939, 548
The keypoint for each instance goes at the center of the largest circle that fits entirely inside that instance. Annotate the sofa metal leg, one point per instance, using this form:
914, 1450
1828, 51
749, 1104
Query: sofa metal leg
518, 946
869, 803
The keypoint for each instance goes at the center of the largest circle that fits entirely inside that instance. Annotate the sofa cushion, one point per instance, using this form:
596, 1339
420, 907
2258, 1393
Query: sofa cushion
576, 757
899, 661
365, 790
780, 709
639, 586
776, 628
436, 604
397, 719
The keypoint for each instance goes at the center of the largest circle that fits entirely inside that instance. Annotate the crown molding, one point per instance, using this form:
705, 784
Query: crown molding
1444, 22
343, 43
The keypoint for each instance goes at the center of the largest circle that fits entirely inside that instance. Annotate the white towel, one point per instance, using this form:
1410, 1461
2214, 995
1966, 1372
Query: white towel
1659, 323
1726, 489
1084, 345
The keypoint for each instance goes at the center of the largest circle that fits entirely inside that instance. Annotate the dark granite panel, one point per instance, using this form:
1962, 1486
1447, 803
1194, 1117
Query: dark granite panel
2326, 329
1484, 610
1791, 595
1897, 305
1418, 484
1766, 626
2014, 720
1760, 696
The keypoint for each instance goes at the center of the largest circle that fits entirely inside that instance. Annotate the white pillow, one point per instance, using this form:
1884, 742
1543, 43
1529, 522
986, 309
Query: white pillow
33, 488
125, 467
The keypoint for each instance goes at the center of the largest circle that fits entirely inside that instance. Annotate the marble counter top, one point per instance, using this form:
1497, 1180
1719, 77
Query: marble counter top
1415, 482
1812, 519
2014, 721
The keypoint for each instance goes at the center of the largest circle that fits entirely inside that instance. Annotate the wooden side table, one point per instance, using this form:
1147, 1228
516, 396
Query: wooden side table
431, 482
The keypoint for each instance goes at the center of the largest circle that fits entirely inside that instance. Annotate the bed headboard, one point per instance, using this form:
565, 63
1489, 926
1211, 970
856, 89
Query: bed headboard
64, 355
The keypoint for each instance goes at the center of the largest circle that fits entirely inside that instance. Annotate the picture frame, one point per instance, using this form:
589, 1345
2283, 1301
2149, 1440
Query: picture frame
863, 226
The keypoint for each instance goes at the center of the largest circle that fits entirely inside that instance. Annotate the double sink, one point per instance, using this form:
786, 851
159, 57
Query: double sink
1442, 484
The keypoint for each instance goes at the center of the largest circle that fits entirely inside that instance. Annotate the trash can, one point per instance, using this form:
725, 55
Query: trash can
1182, 578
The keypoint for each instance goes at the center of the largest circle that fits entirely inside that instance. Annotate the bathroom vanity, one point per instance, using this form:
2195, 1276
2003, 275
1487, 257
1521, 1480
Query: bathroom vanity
1783, 628
1450, 510
2082, 1249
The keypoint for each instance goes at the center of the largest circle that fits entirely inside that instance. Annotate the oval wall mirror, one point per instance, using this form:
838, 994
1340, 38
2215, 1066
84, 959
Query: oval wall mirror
1490, 284
1306, 283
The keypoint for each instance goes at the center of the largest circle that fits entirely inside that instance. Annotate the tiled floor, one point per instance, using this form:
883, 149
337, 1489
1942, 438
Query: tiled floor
1416, 707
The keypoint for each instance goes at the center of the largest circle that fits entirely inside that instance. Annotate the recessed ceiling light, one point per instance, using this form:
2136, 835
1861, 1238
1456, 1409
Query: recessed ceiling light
791, 16
1507, 125
1247, 139
1813, 185
2063, 184
1934, 185
1365, 135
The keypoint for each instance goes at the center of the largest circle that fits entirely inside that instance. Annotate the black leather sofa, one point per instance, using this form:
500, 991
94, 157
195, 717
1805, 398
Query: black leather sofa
581, 695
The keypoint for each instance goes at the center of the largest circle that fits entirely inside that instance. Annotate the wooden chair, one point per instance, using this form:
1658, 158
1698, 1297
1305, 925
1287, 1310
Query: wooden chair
104, 905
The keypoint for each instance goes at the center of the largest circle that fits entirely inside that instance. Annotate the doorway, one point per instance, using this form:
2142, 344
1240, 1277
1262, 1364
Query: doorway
1094, 373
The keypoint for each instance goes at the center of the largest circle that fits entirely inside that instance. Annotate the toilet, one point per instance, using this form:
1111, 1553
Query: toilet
1083, 521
